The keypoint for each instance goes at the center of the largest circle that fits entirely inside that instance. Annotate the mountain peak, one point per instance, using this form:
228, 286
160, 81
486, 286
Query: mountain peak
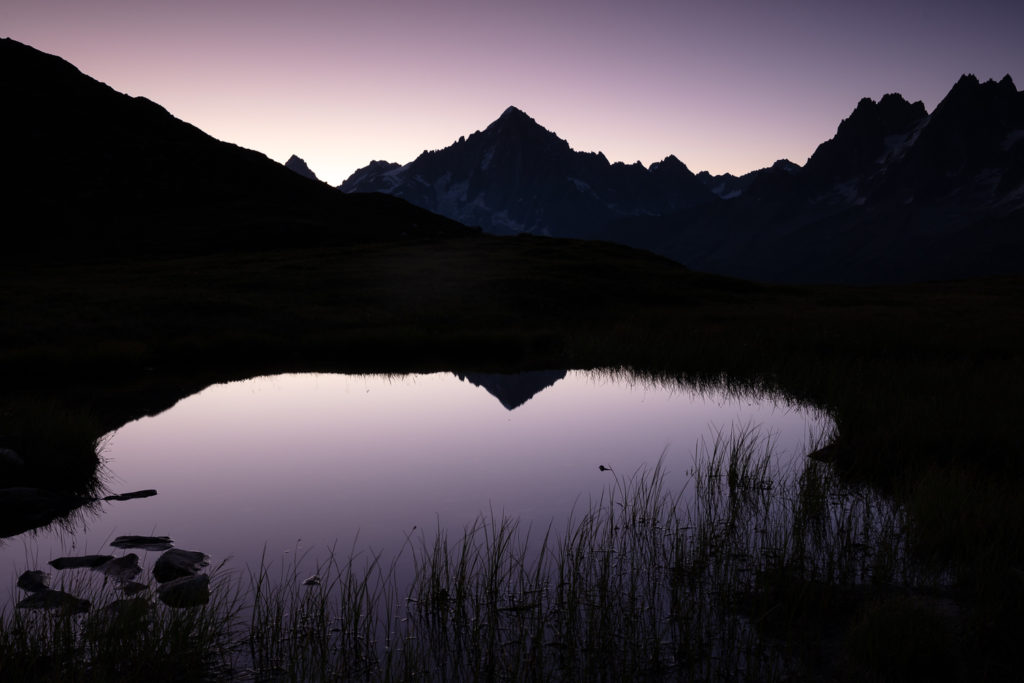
860, 139
785, 165
892, 111
299, 166
514, 113
669, 163
515, 126
514, 118
970, 87
976, 100
966, 81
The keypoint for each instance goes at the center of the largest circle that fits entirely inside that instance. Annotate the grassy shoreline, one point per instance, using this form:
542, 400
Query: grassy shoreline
923, 381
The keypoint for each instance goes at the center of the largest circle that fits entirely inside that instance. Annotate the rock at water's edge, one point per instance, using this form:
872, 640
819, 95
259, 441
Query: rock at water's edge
33, 581
50, 599
143, 542
176, 563
145, 493
121, 568
90, 561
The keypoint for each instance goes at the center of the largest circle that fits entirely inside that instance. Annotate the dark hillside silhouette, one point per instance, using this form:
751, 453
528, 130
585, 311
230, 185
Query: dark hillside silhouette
96, 171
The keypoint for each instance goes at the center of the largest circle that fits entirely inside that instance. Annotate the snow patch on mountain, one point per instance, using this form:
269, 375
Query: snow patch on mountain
582, 186
896, 146
849, 193
450, 196
502, 220
485, 160
391, 179
724, 192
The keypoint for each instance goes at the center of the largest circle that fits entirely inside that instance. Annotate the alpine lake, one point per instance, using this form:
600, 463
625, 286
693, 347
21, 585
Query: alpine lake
291, 469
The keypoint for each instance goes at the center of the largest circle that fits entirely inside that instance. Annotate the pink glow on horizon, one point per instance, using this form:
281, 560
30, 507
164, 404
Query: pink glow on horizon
724, 86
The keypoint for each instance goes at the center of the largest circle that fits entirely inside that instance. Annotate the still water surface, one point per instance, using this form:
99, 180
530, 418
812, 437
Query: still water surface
297, 463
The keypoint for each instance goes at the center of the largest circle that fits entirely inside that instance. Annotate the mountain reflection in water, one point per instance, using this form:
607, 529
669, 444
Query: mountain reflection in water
514, 390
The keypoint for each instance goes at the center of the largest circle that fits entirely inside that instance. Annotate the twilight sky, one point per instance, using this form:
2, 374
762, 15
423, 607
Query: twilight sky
724, 85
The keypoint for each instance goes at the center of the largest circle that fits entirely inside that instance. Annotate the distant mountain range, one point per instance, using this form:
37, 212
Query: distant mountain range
94, 173
516, 176
897, 194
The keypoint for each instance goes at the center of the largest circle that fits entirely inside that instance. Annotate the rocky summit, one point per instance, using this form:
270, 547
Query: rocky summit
516, 176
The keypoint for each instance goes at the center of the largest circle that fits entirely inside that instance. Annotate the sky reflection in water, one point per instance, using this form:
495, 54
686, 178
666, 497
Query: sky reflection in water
306, 461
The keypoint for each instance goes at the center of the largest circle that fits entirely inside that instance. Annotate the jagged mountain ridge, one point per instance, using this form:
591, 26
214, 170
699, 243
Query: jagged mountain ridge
728, 186
897, 194
516, 176
97, 172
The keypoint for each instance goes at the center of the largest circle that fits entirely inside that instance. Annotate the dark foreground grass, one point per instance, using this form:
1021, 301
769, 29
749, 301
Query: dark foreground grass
120, 638
736, 570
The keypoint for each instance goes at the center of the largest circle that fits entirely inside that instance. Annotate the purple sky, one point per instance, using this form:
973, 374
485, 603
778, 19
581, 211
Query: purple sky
723, 85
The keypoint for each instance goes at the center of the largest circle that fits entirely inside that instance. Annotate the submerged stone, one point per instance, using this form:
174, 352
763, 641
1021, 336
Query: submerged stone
121, 568
33, 581
82, 561
143, 542
51, 599
188, 591
176, 563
